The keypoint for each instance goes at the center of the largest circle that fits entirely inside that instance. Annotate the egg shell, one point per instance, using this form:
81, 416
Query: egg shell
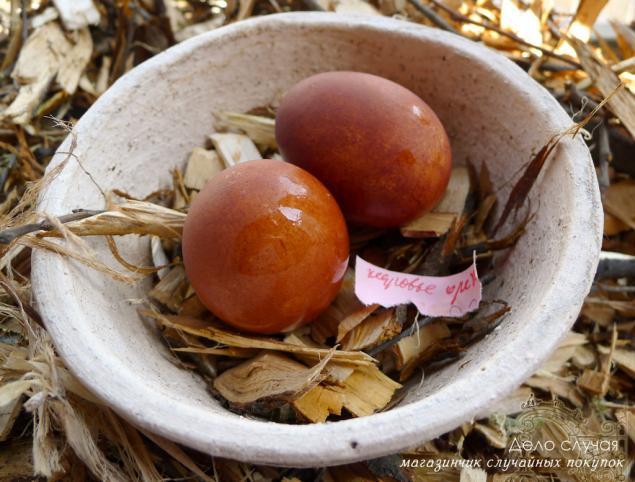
378, 147
265, 246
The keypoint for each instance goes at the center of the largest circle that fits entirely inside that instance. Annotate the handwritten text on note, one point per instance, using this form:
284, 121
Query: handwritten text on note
453, 295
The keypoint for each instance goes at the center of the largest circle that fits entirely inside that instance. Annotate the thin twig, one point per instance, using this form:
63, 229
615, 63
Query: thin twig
619, 266
434, 17
604, 157
313, 5
410, 331
486, 25
8, 235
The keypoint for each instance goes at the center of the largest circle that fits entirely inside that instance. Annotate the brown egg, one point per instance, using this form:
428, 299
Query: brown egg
375, 145
265, 246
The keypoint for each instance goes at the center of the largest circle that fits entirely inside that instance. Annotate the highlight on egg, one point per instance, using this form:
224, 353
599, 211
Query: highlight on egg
265, 246
378, 147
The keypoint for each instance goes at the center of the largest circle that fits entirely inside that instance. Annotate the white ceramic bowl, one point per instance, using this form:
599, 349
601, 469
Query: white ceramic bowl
151, 118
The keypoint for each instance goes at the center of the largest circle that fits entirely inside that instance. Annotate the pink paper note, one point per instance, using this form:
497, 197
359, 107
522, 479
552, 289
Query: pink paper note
453, 295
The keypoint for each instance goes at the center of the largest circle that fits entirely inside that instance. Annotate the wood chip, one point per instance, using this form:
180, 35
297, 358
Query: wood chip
366, 391
353, 320
469, 474
522, 19
159, 258
261, 130
619, 200
613, 225
344, 305
585, 17
77, 14
352, 7
235, 148
202, 165
592, 381
372, 331
410, 349
336, 372
626, 418
439, 220
622, 102
170, 290
268, 376
510, 405
47, 54
583, 357
626, 308
557, 386
220, 335
625, 359
565, 351
494, 432
318, 403
48, 14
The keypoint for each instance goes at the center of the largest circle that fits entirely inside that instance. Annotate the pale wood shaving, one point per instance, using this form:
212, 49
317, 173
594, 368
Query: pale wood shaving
440, 219
318, 403
202, 166
372, 331
622, 102
619, 200
77, 14
171, 289
259, 129
366, 391
268, 376
235, 148
219, 335
47, 54
353, 320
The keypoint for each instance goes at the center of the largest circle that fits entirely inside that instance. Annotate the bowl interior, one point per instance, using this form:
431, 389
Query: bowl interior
150, 120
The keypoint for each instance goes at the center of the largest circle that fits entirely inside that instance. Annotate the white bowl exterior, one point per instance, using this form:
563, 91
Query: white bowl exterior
152, 117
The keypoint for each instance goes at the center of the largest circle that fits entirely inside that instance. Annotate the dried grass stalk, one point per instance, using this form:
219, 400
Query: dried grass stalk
130, 217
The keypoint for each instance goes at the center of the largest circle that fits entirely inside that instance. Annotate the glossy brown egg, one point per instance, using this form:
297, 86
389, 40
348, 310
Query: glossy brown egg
375, 145
265, 246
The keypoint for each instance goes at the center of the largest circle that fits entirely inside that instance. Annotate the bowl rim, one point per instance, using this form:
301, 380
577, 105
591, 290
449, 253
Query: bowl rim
361, 438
